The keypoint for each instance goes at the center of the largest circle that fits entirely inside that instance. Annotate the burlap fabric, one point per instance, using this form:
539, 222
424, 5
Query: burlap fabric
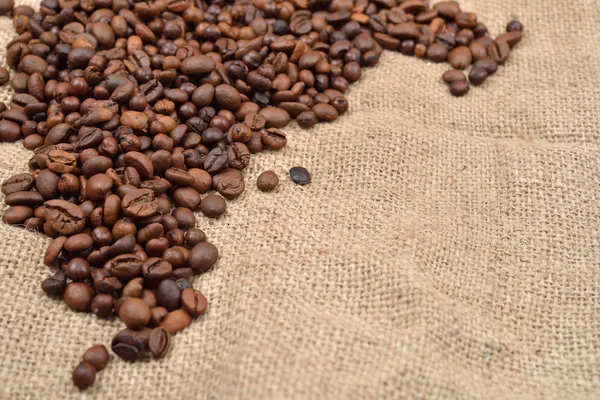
446, 248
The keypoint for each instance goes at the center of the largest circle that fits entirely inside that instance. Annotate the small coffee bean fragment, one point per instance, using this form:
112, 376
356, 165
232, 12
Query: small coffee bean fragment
267, 181
300, 175
84, 375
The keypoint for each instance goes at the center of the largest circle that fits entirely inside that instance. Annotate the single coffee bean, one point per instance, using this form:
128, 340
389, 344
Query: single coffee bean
193, 302
325, 112
300, 175
55, 285
477, 76
499, 51
155, 269
276, 139
78, 296
514, 26
139, 203
213, 206
459, 88
159, 342
198, 65
96, 356
202, 257
176, 321
78, 269
84, 375
186, 197
128, 345
17, 183
134, 313
437, 52
169, 295
460, 57
230, 182
102, 305
194, 236
185, 218
267, 181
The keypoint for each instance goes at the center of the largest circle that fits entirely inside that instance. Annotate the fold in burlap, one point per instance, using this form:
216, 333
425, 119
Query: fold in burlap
446, 248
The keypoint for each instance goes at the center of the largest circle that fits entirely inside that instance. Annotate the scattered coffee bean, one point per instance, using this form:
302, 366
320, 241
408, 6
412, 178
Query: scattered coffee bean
84, 375
300, 175
267, 181
96, 356
159, 342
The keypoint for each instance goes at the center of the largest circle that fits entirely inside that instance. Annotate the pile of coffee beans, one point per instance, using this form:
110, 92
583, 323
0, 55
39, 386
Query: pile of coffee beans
135, 110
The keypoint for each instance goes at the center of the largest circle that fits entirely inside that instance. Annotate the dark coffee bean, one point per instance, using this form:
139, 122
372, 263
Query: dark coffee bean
514, 26
216, 160
78, 270
9, 131
267, 181
55, 285
169, 295
84, 375
213, 206
202, 257
17, 215
133, 288
102, 305
185, 217
477, 76
97, 356
78, 296
128, 345
307, 119
159, 342
134, 313
300, 175
275, 117
459, 88
124, 267
156, 269
255, 121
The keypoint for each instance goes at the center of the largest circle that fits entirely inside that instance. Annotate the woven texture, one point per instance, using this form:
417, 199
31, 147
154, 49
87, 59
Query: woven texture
446, 248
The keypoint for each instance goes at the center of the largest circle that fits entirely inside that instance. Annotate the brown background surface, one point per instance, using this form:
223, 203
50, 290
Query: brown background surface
385, 277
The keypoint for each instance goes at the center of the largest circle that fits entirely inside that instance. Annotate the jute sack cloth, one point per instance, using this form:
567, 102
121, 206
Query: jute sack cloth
446, 248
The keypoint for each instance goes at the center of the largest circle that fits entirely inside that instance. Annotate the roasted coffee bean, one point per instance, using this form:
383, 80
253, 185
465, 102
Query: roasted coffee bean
202, 257
198, 65
300, 175
477, 76
139, 203
460, 57
102, 305
128, 345
514, 26
194, 236
84, 375
169, 295
17, 183
267, 181
78, 270
63, 217
55, 285
97, 356
453, 75
159, 342
499, 51
134, 313
459, 88
78, 296
229, 183
193, 302
213, 206
488, 64
176, 321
